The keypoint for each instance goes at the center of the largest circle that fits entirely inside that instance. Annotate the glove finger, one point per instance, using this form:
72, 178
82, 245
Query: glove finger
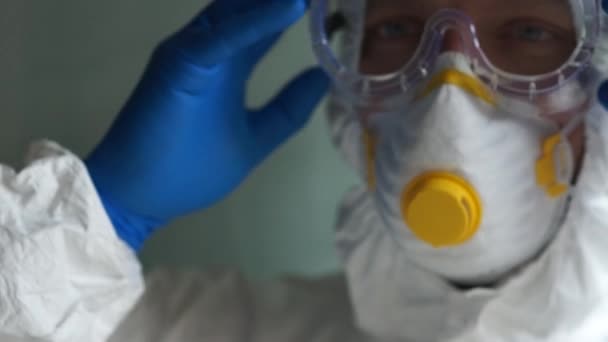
289, 111
209, 41
220, 9
602, 94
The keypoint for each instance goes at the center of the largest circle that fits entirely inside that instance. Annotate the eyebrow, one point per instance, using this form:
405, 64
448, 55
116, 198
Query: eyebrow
524, 3
560, 11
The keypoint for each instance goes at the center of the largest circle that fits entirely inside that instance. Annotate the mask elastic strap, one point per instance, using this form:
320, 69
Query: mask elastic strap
369, 143
572, 126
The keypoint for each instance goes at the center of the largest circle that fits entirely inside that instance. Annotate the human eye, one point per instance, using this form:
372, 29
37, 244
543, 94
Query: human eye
529, 32
389, 43
528, 46
397, 29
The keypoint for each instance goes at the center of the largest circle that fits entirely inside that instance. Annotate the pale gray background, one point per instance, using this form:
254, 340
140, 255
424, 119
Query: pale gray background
66, 67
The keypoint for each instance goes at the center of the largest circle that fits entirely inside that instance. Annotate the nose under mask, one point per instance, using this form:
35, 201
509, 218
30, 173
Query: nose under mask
468, 191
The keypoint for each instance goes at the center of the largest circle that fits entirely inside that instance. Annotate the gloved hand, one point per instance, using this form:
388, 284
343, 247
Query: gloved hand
184, 140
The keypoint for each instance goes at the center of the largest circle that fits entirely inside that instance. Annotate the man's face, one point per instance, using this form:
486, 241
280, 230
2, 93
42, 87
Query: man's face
525, 37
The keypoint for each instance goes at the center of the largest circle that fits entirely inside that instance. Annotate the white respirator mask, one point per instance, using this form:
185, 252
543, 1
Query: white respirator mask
469, 191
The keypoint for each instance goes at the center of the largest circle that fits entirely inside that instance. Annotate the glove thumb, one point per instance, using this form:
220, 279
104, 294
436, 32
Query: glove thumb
289, 111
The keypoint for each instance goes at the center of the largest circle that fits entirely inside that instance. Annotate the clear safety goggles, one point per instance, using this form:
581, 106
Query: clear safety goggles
538, 51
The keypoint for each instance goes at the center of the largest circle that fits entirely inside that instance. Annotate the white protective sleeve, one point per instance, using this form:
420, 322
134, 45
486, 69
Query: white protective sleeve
65, 276
563, 296
224, 306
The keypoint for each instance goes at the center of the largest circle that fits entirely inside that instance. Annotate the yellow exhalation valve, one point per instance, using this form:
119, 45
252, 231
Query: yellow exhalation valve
441, 209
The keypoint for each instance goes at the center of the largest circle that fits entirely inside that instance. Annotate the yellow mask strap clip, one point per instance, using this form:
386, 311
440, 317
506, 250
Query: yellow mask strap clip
555, 166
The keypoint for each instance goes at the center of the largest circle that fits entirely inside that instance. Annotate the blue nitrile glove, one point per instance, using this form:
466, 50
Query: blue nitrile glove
603, 93
185, 139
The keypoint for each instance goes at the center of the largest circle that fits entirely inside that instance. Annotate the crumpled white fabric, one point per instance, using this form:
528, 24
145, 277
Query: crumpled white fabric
225, 306
66, 277
64, 274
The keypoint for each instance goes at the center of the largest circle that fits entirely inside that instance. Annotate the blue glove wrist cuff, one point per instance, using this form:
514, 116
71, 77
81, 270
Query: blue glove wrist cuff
132, 229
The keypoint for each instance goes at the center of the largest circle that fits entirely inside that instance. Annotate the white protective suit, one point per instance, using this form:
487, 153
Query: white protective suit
67, 277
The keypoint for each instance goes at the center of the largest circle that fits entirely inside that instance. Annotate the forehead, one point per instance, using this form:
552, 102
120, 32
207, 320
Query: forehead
559, 12
471, 4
